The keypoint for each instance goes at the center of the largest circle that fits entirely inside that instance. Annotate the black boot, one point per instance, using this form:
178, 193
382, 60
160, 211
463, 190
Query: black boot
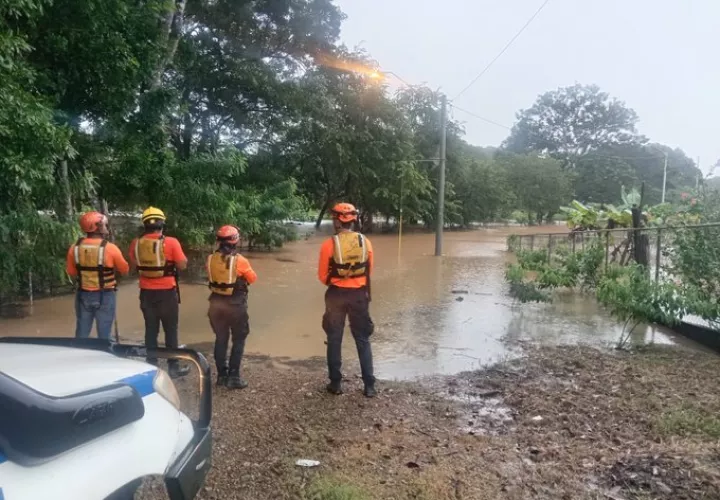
222, 377
177, 371
370, 391
235, 382
335, 388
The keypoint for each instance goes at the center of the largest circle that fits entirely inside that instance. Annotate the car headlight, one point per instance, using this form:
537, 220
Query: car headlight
163, 385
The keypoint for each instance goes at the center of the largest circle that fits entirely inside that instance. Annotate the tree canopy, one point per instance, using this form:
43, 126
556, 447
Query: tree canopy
252, 113
571, 122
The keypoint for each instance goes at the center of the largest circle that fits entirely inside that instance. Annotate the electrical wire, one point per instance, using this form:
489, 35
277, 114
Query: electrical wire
507, 46
480, 117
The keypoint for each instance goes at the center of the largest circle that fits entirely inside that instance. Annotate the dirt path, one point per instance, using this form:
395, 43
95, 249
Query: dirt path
563, 422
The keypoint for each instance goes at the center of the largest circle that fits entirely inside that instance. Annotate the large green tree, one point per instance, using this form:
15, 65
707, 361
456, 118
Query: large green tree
350, 141
571, 122
540, 185
648, 163
30, 140
599, 177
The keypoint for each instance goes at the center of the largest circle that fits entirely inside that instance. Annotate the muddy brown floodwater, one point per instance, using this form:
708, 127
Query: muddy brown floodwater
432, 315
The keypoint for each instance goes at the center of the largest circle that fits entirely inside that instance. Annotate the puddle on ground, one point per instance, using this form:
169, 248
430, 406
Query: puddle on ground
480, 409
432, 315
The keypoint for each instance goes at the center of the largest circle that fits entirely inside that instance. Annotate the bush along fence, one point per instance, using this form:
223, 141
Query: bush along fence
664, 274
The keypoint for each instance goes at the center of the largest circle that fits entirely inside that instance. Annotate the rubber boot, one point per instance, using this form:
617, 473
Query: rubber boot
369, 391
335, 388
235, 382
222, 376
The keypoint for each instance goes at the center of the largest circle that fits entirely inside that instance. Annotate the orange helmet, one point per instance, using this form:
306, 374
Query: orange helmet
93, 222
345, 212
229, 234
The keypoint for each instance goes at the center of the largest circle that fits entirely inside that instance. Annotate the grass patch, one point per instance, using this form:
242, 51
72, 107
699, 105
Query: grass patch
328, 489
687, 421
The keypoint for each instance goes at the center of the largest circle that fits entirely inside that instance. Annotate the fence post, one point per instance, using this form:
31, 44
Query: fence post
30, 289
607, 248
657, 256
573, 241
532, 242
550, 241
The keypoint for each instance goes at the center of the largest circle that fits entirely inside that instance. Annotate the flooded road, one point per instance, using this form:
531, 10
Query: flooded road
432, 315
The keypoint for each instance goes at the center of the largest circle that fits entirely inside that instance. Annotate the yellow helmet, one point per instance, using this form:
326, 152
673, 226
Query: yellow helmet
153, 215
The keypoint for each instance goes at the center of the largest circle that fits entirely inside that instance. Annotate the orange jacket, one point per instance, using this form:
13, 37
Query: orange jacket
326, 254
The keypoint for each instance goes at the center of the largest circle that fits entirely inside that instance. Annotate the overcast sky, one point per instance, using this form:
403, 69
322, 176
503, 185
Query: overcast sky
662, 57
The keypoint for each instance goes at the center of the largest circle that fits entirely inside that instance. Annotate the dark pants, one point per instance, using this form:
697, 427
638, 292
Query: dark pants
94, 307
354, 304
160, 306
229, 319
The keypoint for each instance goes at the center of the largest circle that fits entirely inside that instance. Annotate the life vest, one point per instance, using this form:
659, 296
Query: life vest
90, 263
150, 257
222, 275
350, 256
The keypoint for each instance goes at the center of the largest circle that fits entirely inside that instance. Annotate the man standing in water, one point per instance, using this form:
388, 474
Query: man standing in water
158, 258
346, 262
229, 275
95, 262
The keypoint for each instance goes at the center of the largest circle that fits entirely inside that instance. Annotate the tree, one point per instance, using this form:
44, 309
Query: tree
599, 178
30, 141
234, 74
648, 163
350, 141
481, 188
421, 106
539, 184
31, 244
572, 121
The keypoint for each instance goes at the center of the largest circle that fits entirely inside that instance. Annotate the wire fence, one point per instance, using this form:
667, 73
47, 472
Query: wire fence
653, 247
650, 246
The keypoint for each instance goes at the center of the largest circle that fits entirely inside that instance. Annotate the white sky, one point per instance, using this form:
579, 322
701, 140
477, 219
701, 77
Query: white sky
662, 57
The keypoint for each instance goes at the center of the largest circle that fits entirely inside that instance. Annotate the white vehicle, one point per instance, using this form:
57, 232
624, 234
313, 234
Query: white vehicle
80, 421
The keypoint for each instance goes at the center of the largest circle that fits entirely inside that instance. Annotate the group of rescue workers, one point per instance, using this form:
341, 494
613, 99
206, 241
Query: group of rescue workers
345, 266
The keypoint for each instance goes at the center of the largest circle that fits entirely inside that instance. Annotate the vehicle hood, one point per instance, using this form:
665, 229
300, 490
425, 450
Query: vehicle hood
61, 371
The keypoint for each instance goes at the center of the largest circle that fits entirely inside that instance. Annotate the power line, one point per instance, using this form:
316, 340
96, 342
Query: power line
532, 18
481, 118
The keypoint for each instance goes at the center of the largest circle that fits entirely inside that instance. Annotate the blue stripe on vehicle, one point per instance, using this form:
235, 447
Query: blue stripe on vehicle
2, 497
141, 382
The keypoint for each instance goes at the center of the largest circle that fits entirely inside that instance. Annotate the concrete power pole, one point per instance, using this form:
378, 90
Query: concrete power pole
664, 178
441, 181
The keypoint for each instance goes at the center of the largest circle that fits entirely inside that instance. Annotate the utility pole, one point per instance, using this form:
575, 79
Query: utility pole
441, 181
664, 178
697, 176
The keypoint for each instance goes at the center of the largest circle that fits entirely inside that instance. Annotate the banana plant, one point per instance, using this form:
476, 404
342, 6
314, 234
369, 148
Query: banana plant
581, 217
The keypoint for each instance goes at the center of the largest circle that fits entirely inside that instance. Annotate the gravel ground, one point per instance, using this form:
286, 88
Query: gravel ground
559, 423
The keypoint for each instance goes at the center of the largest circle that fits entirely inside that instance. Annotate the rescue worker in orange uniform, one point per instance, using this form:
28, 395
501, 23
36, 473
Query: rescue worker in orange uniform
95, 262
158, 258
345, 266
229, 275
